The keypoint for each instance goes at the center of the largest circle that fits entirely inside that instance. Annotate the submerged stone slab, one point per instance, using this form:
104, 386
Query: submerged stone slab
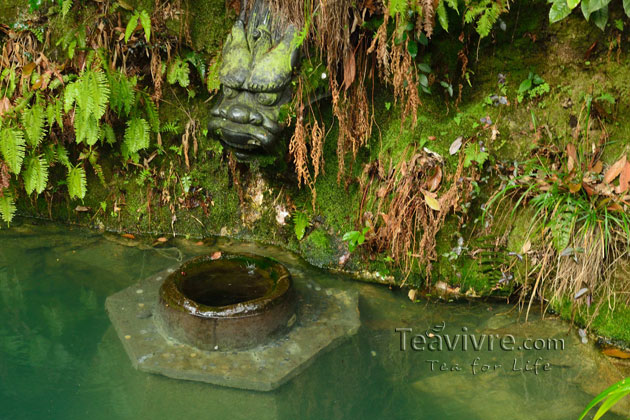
324, 318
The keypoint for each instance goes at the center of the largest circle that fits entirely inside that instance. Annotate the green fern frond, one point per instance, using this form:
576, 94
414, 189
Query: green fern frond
62, 156
137, 135
170, 127
107, 134
33, 120
36, 174
76, 181
66, 5
152, 113
86, 128
178, 72
12, 146
7, 208
53, 114
70, 95
122, 92
98, 169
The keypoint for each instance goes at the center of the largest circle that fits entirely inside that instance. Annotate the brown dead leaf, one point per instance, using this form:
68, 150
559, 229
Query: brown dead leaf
624, 179
575, 187
349, 69
433, 183
618, 353
5, 105
589, 190
597, 168
572, 154
527, 246
128, 236
614, 171
161, 239
200, 243
615, 207
81, 209
412, 295
216, 255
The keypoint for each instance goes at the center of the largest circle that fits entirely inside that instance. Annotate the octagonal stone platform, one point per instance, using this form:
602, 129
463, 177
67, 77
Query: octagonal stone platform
324, 318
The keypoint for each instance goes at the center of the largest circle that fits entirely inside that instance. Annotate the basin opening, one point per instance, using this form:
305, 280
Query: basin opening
226, 282
235, 301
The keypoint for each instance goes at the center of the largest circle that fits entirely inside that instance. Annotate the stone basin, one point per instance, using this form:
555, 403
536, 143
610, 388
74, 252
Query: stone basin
234, 301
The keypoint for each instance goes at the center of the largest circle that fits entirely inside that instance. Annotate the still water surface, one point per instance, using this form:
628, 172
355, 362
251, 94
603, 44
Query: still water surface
61, 359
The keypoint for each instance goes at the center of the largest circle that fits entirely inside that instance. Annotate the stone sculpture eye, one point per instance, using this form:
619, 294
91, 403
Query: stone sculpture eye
229, 92
267, 99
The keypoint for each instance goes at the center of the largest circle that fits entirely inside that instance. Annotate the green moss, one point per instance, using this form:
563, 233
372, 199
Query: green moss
613, 324
319, 249
209, 22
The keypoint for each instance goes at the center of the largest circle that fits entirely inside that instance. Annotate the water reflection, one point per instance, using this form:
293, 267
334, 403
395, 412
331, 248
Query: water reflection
61, 359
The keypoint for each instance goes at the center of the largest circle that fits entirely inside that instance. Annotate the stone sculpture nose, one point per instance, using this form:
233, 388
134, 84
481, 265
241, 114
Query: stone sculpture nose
255, 118
239, 114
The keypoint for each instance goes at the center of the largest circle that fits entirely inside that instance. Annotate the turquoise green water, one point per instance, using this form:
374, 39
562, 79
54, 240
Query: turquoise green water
61, 359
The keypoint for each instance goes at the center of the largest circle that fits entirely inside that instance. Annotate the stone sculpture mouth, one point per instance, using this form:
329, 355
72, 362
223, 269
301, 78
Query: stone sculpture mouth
235, 301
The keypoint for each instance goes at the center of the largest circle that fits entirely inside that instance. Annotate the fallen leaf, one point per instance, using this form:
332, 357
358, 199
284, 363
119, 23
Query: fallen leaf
412, 295
162, 239
527, 246
589, 190
597, 168
614, 171
28, 69
349, 69
200, 243
431, 201
615, 207
581, 293
81, 209
572, 153
5, 105
456, 145
575, 187
436, 179
216, 255
618, 353
624, 179
128, 236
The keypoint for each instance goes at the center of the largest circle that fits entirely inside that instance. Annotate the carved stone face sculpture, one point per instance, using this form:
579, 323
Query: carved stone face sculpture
258, 62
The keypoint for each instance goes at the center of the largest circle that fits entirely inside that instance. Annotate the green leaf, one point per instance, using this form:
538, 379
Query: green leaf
621, 386
136, 135
12, 146
442, 15
76, 181
131, 26
559, 10
573, 3
424, 81
145, 21
300, 223
36, 174
7, 207
412, 48
600, 17
591, 6
424, 67
626, 7
473, 153
525, 86
33, 120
